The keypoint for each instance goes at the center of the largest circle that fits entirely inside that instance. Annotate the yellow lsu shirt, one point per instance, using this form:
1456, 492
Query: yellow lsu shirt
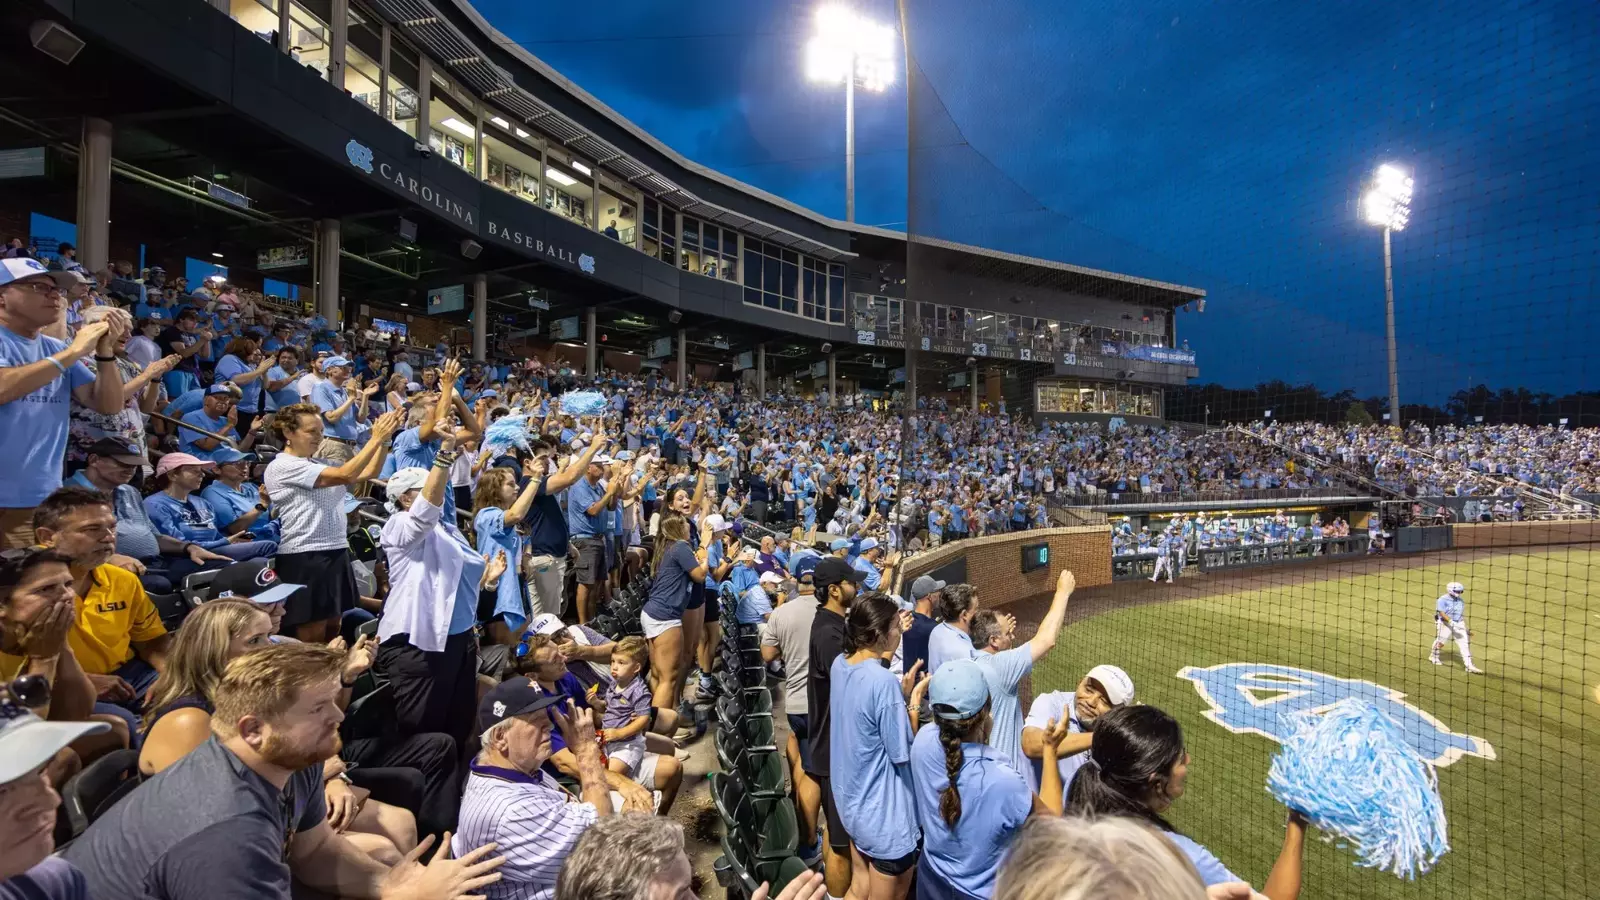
115, 613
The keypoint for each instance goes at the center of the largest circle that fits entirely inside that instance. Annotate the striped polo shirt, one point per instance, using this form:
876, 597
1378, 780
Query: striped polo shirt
533, 820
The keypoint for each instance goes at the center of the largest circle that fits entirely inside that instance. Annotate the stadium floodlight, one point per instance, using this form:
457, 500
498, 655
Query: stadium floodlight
849, 48
1387, 204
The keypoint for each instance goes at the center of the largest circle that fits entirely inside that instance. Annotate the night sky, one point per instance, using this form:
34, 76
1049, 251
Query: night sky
1218, 145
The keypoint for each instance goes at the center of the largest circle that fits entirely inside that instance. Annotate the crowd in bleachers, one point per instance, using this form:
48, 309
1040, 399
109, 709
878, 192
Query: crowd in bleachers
1452, 460
286, 609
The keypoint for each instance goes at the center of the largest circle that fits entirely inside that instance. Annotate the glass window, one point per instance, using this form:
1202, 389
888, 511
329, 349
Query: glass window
513, 166
752, 262
308, 33
771, 276
730, 255
836, 294
453, 131
258, 16
363, 50
619, 210
403, 81
567, 190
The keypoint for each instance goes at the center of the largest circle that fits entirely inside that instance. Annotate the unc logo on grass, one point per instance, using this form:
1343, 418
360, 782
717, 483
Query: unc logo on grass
1250, 698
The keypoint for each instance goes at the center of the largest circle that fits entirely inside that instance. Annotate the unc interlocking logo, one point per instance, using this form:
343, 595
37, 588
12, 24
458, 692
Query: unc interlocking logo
586, 263
1249, 698
359, 155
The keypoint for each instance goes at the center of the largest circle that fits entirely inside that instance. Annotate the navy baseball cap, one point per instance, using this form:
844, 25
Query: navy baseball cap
254, 581
806, 566
513, 697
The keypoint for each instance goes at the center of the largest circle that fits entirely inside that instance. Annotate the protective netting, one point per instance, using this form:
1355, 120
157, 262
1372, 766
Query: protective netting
1208, 379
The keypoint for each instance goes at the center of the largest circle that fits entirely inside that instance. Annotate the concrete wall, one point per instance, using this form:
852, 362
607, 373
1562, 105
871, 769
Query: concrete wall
1525, 534
994, 563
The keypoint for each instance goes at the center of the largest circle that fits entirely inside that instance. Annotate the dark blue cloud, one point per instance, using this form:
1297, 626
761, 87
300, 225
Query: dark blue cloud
1218, 145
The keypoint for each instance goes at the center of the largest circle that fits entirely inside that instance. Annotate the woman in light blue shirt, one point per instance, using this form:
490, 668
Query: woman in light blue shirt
970, 802
870, 750
1138, 766
242, 364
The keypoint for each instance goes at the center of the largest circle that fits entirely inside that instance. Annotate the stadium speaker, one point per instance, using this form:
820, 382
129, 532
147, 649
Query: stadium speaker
827, 348
470, 248
674, 317
407, 230
54, 41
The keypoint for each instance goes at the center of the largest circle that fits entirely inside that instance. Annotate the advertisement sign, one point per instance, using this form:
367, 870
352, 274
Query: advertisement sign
819, 369
450, 298
1167, 355
660, 348
564, 329
745, 360
290, 257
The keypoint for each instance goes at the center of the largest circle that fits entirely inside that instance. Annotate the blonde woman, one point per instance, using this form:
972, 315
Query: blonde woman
677, 565
180, 704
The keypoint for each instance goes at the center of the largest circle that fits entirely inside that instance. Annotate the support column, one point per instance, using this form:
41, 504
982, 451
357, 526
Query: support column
992, 387
833, 379
761, 371
683, 359
591, 360
425, 97
94, 194
480, 317
972, 385
328, 246
338, 39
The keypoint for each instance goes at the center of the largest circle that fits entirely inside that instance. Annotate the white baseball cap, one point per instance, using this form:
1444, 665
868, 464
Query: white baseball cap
1116, 683
546, 623
717, 523
28, 742
21, 267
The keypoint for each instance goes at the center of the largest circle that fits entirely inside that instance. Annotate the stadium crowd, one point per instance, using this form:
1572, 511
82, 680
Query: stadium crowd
294, 612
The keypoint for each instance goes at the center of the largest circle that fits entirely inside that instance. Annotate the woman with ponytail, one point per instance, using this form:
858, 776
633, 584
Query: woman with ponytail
870, 750
970, 802
1138, 766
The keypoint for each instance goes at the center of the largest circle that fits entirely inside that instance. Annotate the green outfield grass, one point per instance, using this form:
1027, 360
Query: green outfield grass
1525, 824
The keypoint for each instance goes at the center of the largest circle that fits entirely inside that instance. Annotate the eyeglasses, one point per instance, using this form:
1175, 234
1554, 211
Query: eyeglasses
38, 287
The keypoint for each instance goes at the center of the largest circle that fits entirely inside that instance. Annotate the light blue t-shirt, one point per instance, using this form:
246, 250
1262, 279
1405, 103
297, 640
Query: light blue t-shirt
1454, 607
946, 642
199, 419
1211, 869
33, 429
580, 497
329, 398
995, 802
228, 504
288, 395
1004, 672
493, 536
874, 577
230, 366
870, 746
754, 606
464, 615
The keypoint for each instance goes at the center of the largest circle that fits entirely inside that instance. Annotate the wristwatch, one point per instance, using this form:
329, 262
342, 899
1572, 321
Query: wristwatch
261, 507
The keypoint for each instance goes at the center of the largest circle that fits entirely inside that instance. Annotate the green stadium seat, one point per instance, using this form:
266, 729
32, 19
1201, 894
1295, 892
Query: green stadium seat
788, 870
764, 776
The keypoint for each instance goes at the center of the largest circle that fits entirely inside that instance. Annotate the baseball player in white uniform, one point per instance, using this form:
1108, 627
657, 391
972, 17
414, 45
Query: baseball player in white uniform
1450, 617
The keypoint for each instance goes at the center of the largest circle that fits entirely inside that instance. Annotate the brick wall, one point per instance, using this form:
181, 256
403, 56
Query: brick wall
994, 563
1525, 534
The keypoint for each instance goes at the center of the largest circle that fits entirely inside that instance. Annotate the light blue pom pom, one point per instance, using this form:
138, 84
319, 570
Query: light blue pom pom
1352, 774
508, 432
584, 403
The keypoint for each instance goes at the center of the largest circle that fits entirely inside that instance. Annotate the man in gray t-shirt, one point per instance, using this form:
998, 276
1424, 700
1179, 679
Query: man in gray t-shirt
207, 826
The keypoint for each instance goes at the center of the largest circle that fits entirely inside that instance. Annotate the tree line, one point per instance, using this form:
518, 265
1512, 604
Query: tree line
1218, 405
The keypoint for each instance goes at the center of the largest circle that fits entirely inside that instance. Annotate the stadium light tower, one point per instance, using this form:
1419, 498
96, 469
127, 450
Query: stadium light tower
1387, 204
850, 48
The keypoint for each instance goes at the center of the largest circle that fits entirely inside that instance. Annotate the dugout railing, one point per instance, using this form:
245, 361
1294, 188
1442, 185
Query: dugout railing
1142, 565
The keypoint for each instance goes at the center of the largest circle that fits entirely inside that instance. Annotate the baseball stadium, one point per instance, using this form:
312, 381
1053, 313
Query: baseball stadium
877, 449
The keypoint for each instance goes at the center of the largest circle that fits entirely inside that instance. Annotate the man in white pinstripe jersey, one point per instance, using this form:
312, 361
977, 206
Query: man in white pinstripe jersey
510, 802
